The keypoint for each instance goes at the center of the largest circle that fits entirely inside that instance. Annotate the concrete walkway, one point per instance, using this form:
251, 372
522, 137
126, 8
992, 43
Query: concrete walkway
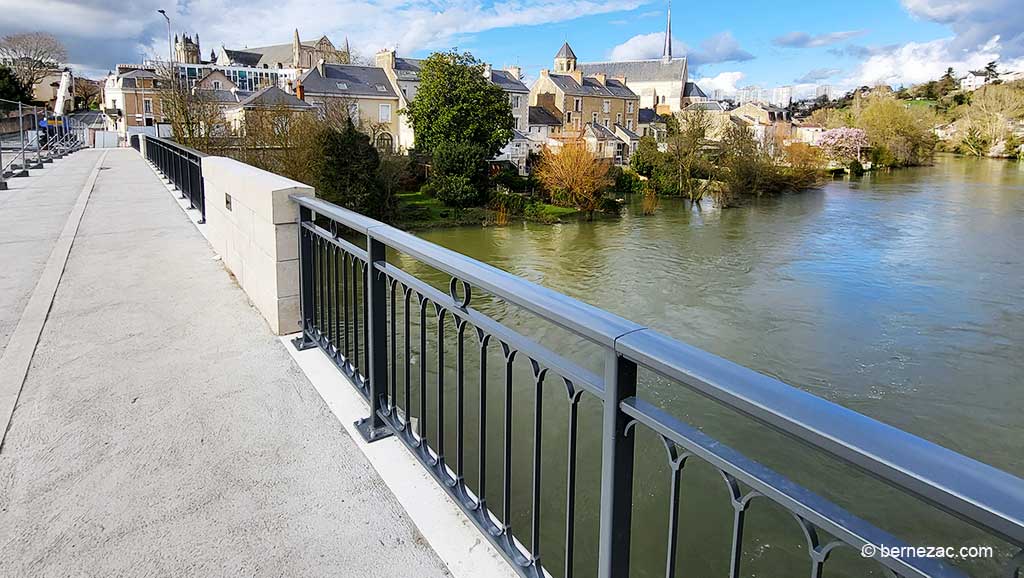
161, 429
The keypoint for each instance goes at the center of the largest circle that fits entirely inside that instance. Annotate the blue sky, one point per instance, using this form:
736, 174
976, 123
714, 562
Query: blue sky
729, 44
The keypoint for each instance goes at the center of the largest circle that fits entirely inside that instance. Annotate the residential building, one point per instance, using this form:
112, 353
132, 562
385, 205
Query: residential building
753, 94
808, 132
650, 123
974, 80
271, 98
132, 101
543, 125
824, 90
364, 92
579, 99
782, 96
518, 149
615, 144
767, 121
661, 84
718, 95
718, 116
404, 76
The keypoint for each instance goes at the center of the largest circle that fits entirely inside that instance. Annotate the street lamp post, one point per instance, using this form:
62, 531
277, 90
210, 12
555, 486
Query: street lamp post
170, 47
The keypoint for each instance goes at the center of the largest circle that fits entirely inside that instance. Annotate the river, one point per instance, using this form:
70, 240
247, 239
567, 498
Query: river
899, 295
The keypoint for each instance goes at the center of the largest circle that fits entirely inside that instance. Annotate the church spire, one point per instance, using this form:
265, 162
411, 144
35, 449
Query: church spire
667, 52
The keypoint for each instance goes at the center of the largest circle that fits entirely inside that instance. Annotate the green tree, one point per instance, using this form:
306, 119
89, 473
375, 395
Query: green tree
455, 103
347, 173
13, 89
646, 157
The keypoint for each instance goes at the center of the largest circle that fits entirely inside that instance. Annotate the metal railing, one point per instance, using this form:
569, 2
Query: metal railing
182, 166
363, 311
26, 144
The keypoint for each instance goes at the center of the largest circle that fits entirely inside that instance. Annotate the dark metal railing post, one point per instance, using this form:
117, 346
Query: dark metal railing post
373, 427
616, 469
305, 341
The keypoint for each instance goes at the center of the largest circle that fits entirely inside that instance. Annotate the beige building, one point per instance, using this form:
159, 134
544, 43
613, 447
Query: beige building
272, 99
364, 92
580, 100
767, 121
132, 101
296, 54
404, 75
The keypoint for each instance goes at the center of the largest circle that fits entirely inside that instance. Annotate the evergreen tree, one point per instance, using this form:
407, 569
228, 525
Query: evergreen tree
12, 89
347, 173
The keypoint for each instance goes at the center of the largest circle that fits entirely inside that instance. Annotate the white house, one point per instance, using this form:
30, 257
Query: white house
973, 81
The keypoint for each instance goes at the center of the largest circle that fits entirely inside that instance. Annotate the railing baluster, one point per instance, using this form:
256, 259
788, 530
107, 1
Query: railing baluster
408, 360
317, 289
339, 255
344, 292
538, 411
375, 318
460, 375
676, 463
305, 278
616, 469
570, 478
393, 344
441, 313
354, 360
739, 513
328, 259
423, 372
483, 339
506, 501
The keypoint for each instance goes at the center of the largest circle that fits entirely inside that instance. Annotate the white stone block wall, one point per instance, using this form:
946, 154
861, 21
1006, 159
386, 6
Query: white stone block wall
257, 237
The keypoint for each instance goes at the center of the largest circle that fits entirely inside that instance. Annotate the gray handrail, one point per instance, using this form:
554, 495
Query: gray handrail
978, 493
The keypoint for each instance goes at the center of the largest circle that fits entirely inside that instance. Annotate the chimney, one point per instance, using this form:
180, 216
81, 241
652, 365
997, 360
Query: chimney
385, 59
515, 71
300, 93
487, 71
602, 78
320, 66
577, 75
545, 72
621, 79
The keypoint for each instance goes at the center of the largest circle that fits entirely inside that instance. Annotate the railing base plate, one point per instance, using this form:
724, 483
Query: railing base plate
370, 433
302, 344
3, 186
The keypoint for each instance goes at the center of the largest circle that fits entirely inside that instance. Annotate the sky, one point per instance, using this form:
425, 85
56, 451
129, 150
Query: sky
729, 44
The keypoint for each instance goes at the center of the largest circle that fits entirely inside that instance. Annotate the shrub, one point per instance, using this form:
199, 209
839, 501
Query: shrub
466, 161
347, 174
456, 191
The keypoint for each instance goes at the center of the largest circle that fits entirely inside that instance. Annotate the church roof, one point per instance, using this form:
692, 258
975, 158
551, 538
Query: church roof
693, 90
659, 70
348, 79
591, 87
709, 105
566, 52
268, 55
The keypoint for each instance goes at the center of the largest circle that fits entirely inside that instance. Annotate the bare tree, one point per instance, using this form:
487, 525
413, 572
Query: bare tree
575, 176
196, 118
32, 55
88, 91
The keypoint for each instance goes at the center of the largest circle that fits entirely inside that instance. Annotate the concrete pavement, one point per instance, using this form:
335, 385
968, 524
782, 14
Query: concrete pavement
161, 428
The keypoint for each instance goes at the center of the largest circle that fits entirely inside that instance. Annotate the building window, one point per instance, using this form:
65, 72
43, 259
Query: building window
593, 118
516, 100
385, 142
629, 107
618, 118
578, 105
607, 122
385, 113
568, 117
216, 85
353, 112
606, 106
518, 125
629, 124
147, 106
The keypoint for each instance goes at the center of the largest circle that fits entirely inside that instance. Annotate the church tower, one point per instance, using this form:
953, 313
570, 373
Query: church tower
186, 50
565, 60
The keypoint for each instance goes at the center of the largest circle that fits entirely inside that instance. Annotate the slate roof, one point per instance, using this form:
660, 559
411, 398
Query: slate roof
244, 57
632, 135
348, 80
638, 70
543, 117
273, 96
566, 52
691, 89
601, 132
591, 87
647, 116
269, 55
508, 82
408, 68
226, 96
710, 105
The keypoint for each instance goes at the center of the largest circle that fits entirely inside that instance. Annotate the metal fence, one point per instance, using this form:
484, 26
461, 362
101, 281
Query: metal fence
388, 330
30, 136
182, 166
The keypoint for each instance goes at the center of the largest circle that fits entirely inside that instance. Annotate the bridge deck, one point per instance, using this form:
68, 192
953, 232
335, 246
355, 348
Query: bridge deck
161, 429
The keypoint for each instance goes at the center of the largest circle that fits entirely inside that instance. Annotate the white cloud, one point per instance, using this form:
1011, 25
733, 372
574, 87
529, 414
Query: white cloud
100, 33
721, 47
805, 40
975, 22
725, 81
917, 62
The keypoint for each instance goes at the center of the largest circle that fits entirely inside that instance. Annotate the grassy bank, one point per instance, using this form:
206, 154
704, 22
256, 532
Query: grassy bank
419, 211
